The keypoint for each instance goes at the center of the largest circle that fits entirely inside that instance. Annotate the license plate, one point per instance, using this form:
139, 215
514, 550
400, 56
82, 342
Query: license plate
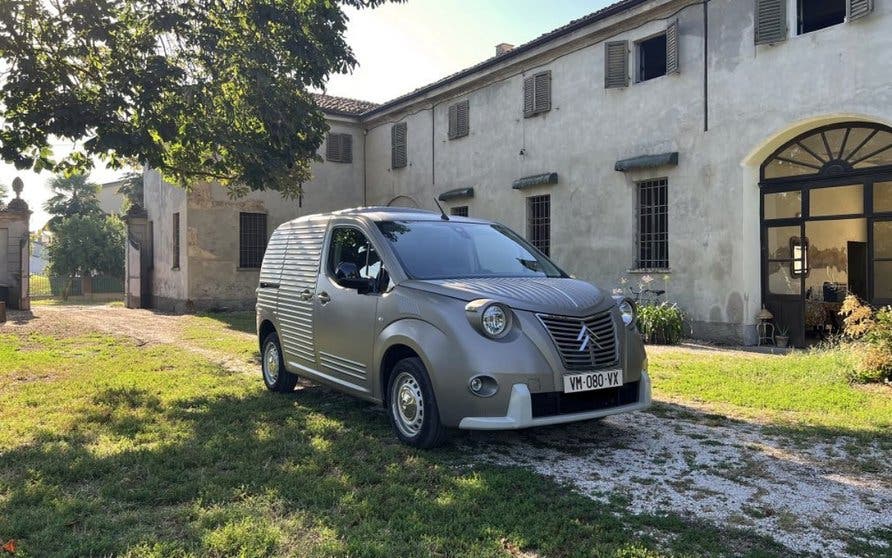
588, 381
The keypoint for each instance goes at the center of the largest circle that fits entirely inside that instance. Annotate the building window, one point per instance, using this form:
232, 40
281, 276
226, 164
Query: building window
818, 14
539, 222
653, 224
251, 239
460, 211
398, 153
652, 58
339, 148
176, 241
459, 120
799, 250
537, 94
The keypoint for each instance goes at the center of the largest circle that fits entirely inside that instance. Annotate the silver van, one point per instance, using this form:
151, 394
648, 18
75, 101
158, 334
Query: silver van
446, 321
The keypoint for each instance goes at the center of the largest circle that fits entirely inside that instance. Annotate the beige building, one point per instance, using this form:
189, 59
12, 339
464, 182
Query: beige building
737, 151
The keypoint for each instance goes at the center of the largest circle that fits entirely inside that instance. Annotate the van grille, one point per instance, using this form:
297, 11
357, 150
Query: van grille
599, 352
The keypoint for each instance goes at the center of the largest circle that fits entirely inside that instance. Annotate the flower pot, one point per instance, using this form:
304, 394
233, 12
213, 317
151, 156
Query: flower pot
781, 340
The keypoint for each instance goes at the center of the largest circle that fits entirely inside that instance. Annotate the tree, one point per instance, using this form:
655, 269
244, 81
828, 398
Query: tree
86, 245
131, 189
72, 195
197, 89
4, 191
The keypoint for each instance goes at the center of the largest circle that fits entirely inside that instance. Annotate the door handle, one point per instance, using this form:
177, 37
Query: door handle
323, 297
305, 295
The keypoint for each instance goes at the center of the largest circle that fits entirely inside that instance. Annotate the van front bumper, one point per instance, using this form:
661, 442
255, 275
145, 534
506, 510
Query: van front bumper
520, 411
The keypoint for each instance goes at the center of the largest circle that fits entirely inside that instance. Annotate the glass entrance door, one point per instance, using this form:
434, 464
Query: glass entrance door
882, 260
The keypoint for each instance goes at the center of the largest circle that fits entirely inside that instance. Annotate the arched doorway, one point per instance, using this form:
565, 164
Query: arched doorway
826, 225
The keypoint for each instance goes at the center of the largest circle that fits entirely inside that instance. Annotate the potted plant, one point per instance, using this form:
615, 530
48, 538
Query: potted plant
783, 336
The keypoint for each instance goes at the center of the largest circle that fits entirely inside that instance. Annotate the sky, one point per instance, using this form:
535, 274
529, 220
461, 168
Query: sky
399, 47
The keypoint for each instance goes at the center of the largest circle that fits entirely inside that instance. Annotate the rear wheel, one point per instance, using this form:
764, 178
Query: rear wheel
412, 406
275, 376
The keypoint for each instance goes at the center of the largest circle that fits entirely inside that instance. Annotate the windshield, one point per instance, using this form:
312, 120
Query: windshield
453, 250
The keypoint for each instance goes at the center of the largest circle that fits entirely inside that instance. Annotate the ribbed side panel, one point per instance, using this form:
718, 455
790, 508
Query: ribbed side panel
271, 270
342, 365
299, 271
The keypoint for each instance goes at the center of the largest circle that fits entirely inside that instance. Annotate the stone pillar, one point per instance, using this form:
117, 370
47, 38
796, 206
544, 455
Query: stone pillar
16, 254
137, 259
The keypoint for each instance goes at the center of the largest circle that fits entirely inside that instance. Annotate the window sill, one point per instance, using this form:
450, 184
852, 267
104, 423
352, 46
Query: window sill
175, 268
257, 269
645, 271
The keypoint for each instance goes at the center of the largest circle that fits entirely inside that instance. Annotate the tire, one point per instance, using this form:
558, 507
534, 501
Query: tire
272, 365
417, 420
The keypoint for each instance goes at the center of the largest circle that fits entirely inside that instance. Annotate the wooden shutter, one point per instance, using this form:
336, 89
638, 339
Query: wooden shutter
453, 121
346, 148
398, 157
529, 106
542, 97
672, 48
616, 64
856, 9
771, 21
333, 147
464, 118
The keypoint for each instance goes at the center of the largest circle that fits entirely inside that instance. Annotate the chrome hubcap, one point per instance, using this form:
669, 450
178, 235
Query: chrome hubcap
407, 404
271, 363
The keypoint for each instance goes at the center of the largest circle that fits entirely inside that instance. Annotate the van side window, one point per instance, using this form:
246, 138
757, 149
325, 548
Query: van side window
350, 246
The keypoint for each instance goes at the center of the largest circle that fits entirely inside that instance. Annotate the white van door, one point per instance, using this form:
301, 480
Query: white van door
347, 308
296, 292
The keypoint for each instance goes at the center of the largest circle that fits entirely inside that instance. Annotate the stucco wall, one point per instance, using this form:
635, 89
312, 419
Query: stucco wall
212, 235
170, 289
757, 95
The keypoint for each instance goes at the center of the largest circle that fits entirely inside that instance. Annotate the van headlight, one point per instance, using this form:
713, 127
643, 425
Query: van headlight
626, 309
492, 319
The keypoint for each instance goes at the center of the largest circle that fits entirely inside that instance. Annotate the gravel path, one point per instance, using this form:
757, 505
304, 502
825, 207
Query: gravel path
672, 459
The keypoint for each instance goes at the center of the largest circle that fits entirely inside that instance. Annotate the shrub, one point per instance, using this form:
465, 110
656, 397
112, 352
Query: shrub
870, 335
660, 323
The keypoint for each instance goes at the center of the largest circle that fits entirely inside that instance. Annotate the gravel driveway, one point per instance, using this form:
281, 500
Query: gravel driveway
809, 497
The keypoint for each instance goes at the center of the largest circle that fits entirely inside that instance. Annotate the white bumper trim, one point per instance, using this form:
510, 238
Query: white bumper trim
520, 413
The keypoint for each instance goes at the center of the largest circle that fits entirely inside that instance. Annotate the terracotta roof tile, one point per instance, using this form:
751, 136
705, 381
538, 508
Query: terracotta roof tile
342, 105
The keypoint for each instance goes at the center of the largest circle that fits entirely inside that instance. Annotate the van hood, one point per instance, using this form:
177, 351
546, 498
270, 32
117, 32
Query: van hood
562, 296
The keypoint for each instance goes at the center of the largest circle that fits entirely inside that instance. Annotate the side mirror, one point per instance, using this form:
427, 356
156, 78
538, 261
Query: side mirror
347, 275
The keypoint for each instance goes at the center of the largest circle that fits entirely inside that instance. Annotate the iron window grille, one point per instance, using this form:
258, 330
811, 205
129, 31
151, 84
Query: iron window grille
653, 224
460, 211
539, 223
176, 241
252, 239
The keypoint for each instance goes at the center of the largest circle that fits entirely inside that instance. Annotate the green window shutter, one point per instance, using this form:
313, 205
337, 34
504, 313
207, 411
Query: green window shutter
398, 156
770, 21
462, 119
672, 48
616, 64
346, 148
856, 9
529, 106
333, 147
542, 96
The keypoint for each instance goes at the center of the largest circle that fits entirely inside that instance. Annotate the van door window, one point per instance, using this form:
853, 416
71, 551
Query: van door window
352, 256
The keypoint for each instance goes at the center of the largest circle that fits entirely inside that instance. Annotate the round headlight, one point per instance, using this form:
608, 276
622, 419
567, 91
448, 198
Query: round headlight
627, 310
495, 320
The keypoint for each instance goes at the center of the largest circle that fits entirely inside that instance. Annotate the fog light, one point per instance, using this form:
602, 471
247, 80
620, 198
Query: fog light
476, 385
483, 386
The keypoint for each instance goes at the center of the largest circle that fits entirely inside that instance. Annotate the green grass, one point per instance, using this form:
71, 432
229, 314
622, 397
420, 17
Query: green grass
805, 391
225, 333
110, 448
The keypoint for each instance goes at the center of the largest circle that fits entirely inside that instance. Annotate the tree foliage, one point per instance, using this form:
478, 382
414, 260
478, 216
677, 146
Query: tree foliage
88, 245
4, 192
197, 89
71, 195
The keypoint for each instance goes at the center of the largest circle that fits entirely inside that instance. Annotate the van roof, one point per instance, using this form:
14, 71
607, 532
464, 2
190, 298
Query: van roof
386, 213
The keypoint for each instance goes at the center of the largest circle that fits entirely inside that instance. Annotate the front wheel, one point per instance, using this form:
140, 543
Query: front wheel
412, 406
275, 376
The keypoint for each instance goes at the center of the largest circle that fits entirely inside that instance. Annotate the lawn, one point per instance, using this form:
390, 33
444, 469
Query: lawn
113, 447
805, 392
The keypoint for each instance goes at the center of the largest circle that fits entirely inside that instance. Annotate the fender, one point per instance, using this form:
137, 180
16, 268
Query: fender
429, 342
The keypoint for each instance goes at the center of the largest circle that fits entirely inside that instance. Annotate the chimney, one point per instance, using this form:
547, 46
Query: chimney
502, 48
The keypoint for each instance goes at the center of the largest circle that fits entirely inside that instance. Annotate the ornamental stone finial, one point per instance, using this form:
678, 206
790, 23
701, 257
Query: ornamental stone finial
18, 186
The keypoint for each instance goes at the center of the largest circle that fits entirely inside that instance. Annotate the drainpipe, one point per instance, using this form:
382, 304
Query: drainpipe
365, 139
705, 65
433, 148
